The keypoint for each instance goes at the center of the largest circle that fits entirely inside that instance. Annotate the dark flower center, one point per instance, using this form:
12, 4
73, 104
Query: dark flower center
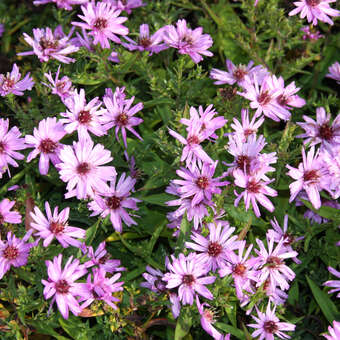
83, 168
2, 220
312, 3
202, 182
326, 132
113, 202
193, 140
270, 327
2, 147
188, 39
11, 253
264, 98
248, 132
100, 23
48, 44
239, 74
243, 162
289, 239
159, 285
214, 249
60, 86
48, 146
62, 287
122, 119
253, 186
144, 41
103, 259
239, 269
8, 83
188, 279
282, 100
311, 175
228, 93
56, 227
273, 261
84, 117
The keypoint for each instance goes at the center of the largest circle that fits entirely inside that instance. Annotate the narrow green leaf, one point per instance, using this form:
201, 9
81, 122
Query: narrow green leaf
230, 329
183, 326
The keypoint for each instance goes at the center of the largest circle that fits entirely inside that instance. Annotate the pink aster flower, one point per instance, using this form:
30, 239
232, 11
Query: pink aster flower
153, 279
82, 167
256, 190
187, 41
313, 35
114, 202
331, 160
335, 284
334, 333
65, 4
55, 226
103, 22
238, 74
268, 324
45, 141
10, 142
2, 29
214, 250
11, 83
6, 215
125, 5
14, 252
50, 45
83, 117
145, 42
61, 283
315, 10
311, 175
187, 274
120, 114
334, 72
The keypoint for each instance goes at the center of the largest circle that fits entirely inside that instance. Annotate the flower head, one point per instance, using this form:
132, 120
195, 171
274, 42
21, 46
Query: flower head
334, 333
153, 279
313, 35
6, 215
125, 5
65, 4
334, 72
335, 284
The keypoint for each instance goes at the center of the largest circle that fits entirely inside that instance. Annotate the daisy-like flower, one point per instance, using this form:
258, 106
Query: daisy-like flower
313, 35
10, 142
2, 29
145, 42
199, 183
125, 5
61, 283
6, 215
311, 175
322, 130
45, 141
50, 45
315, 10
335, 284
103, 22
187, 273
114, 202
332, 162
334, 72
83, 117
272, 264
82, 167
214, 251
334, 333
65, 4
153, 279
268, 324
256, 190
238, 74
11, 83
14, 252
187, 41
55, 226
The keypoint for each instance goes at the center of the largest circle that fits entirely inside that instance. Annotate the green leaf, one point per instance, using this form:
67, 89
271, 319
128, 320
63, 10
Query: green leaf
230, 329
326, 212
91, 233
183, 326
157, 199
185, 226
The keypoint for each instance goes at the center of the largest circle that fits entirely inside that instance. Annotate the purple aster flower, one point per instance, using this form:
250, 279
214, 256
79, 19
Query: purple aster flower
2, 29
65, 4
275, 294
104, 23
6, 215
268, 324
272, 264
187, 273
101, 258
55, 226
14, 252
61, 283
214, 251
335, 284
256, 190
145, 42
322, 130
153, 279
334, 72
313, 35
334, 333
315, 10
61, 87
10, 142
125, 5
116, 199
82, 167
120, 114
50, 45
311, 175
45, 141
187, 41
101, 288
83, 117
238, 74
11, 83
332, 162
